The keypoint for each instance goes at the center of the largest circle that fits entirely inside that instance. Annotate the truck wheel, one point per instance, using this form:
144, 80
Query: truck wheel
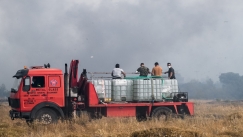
46, 116
161, 113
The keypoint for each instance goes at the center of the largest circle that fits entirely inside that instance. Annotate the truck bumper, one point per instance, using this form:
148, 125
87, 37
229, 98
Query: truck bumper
15, 114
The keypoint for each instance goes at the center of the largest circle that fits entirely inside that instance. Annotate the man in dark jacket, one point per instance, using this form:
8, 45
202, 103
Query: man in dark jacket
171, 72
143, 70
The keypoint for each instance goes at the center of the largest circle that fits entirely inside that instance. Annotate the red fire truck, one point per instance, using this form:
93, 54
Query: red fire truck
44, 94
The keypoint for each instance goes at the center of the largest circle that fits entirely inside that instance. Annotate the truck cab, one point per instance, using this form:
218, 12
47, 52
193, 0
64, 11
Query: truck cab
34, 89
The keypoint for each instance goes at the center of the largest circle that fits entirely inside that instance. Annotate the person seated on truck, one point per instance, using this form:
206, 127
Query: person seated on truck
171, 72
35, 82
117, 72
157, 70
143, 70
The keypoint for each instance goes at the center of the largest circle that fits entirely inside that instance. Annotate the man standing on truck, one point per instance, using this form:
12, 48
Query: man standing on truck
116, 72
171, 72
157, 70
143, 70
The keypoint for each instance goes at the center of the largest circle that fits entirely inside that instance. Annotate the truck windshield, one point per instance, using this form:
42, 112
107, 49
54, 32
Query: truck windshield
16, 84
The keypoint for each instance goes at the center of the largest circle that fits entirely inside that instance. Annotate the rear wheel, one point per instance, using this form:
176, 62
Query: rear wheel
46, 116
161, 113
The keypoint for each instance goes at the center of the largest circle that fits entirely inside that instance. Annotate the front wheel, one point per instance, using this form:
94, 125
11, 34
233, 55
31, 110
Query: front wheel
161, 113
46, 116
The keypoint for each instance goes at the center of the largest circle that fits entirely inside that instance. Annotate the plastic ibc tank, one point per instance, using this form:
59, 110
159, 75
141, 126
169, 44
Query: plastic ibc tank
107, 90
129, 90
169, 86
142, 90
138, 89
173, 84
119, 89
157, 89
166, 92
147, 92
167, 82
102, 88
99, 86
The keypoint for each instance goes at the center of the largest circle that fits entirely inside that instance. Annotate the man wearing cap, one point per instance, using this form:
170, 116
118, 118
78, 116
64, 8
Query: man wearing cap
171, 72
157, 70
143, 70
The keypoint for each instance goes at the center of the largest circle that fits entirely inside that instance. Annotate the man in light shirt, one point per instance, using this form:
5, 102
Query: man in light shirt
117, 72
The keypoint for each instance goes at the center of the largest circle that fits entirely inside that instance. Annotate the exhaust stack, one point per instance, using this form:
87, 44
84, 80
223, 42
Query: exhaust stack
66, 81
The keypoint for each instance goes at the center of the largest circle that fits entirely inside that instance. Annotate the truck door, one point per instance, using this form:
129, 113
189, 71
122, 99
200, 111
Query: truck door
55, 93
24, 95
36, 94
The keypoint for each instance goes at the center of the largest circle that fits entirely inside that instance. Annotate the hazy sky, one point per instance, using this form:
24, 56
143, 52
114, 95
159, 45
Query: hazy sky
202, 38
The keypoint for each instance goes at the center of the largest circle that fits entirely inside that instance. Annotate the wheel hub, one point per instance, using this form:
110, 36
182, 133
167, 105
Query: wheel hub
46, 119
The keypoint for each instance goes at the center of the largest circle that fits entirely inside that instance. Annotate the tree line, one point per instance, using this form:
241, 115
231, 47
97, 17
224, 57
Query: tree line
229, 88
3, 91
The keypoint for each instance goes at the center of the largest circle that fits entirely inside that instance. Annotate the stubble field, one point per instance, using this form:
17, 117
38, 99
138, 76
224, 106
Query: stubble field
212, 119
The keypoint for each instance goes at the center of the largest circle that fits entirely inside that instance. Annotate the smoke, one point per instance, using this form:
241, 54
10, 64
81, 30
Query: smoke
197, 37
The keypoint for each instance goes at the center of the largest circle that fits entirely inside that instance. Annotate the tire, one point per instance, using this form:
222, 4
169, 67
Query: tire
46, 116
161, 113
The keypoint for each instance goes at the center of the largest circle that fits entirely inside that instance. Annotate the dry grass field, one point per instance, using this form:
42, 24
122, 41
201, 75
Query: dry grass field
212, 119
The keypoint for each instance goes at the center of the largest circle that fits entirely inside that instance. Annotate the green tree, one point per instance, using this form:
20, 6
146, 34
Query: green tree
232, 84
3, 91
200, 90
